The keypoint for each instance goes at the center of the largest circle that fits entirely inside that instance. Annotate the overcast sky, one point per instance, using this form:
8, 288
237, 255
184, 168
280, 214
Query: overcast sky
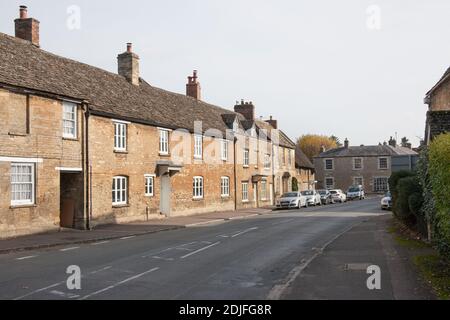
353, 68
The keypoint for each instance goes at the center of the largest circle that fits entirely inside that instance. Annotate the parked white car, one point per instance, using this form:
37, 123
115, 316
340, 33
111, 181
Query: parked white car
337, 195
312, 197
291, 200
356, 192
386, 201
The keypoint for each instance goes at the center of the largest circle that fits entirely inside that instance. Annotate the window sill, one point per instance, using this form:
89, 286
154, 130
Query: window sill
245, 166
121, 151
198, 199
12, 134
227, 197
22, 206
149, 195
166, 155
70, 139
118, 206
245, 201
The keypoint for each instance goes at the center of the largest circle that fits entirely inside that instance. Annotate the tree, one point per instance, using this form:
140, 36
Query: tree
337, 140
311, 144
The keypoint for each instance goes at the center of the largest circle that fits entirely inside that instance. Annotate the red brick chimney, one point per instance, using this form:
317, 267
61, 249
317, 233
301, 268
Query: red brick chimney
27, 28
128, 63
272, 122
193, 88
247, 109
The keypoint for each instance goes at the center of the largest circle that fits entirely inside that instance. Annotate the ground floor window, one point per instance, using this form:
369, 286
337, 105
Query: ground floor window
149, 186
358, 181
380, 184
120, 190
225, 187
244, 191
22, 184
198, 188
329, 183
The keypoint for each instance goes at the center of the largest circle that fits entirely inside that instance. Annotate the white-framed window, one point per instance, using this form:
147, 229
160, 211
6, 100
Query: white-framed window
22, 184
149, 185
120, 191
225, 186
69, 120
289, 158
329, 183
263, 190
382, 163
284, 156
120, 136
380, 184
224, 150
267, 161
358, 181
329, 164
163, 141
198, 146
246, 157
197, 188
244, 191
357, 163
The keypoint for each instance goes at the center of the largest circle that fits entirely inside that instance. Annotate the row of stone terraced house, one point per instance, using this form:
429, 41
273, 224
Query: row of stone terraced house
80, 146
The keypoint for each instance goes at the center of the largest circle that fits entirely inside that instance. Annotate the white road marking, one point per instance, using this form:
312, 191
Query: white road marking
69, 249
27, 257
243, 217
205, 222
126, 238
39, 290
245, 231
161, 258
118, 284
99, 243
223, 236
100, 270
200, 250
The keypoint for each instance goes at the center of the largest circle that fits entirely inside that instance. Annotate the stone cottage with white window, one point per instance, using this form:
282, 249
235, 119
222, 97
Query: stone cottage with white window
369, 166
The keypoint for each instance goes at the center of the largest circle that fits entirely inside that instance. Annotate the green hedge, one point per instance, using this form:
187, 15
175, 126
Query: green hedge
439, 177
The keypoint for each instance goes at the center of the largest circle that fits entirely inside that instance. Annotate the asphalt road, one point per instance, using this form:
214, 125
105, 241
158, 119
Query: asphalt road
253, 258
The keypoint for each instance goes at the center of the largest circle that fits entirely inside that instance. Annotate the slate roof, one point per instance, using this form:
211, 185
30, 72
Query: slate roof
284, 140
24, 65
366, 151
301, 160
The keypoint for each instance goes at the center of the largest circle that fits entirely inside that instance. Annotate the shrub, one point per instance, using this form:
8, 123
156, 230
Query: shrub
393, 182
439, 175
408, 194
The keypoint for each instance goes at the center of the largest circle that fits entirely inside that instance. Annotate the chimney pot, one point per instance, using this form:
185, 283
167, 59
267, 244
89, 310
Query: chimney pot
346, 143
129, 47
246, 109
23, 12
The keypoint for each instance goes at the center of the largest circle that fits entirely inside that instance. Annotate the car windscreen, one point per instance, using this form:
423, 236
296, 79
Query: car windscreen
290, 195
322, 192
307, 193
353, 190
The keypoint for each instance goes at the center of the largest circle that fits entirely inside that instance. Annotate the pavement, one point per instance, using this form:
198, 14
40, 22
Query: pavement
295, 254
116, 231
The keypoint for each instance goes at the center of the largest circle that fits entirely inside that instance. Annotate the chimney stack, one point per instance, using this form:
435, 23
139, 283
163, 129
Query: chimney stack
128, 65
346, 143
392, 142
27, 28
247, 109
193, 88
272, 122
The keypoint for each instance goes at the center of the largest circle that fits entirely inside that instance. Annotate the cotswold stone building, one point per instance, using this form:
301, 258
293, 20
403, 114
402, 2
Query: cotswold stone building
305, 176
80, 146
438, 115
369, 166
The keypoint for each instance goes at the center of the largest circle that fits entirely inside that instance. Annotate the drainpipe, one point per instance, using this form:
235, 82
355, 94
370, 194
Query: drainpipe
88, 172
235, 174
273, 175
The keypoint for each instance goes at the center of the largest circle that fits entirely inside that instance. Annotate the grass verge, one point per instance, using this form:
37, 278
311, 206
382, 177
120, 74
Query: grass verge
436, 272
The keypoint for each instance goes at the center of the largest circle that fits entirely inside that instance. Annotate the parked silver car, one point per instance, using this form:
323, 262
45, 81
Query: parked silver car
355, 192
291, 200
338, 196
386, 201
312, 197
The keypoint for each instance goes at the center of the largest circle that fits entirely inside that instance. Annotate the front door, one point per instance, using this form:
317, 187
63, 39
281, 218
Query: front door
165, 195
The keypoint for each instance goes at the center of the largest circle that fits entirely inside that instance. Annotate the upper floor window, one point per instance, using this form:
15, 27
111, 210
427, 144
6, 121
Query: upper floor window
198, 146
120, 190
357, 163
267, 161
163, 141
289, 157
149, 185
329, 164
22, 184
198, 188
120, 136
284, 156
69, 120
382, 163
224, 150
358, 181
225, 187
246, 157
